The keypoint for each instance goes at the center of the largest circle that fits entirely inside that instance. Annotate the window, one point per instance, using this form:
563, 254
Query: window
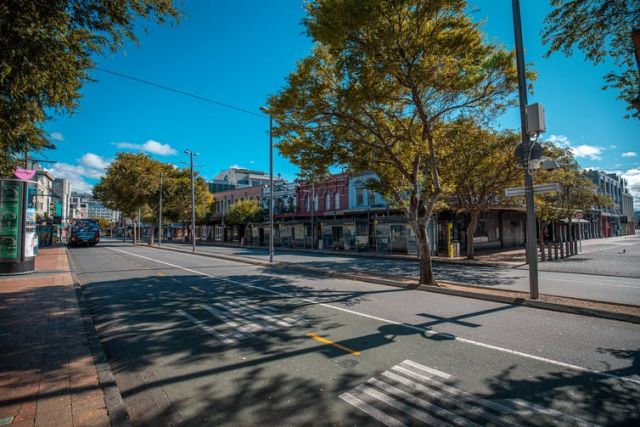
372, 198
327, 201
359, 196
315, 202
307, 207
336, 200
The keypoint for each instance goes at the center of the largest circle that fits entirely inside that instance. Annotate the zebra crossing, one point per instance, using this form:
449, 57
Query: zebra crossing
239, 319
413, 394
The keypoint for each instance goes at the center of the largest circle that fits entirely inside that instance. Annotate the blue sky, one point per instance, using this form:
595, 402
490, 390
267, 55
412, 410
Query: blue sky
239, 52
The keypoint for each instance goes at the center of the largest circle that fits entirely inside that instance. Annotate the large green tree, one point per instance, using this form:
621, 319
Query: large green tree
478, 166
601, 29
47, 48
382, 79
132, 182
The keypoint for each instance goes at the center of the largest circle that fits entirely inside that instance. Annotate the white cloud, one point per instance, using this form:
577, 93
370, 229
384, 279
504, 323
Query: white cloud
151, 146
90, 166
57, 136
560, 140
633, 179
252, 162
629, 154
155, 147
613, 147
94, 161
75, 174
235, 166
587, 151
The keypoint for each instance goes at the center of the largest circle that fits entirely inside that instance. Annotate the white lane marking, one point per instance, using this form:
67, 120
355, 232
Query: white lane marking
370, 410
474, 411
396, 404
197, 289
441, 412
269, 310
427, 369
427, 332
252, 322
533, 409
456, 392
241, 333
263, 315
222, 337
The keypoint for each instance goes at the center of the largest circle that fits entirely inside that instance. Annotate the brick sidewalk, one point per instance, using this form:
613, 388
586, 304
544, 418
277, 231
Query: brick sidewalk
47, 372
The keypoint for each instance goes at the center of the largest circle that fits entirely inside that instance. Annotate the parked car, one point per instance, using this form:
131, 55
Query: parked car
84, 232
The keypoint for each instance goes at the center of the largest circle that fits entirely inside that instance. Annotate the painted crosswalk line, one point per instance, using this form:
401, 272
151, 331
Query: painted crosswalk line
410, 393
240, 320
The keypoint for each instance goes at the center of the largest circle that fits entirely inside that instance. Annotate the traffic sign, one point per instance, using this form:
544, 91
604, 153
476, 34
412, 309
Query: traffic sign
578, 215
542, 188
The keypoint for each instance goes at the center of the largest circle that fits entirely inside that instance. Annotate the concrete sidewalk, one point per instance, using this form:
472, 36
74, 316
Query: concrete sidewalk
48, 375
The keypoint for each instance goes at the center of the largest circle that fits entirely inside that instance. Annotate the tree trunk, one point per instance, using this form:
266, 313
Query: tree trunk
426, 270
471, 228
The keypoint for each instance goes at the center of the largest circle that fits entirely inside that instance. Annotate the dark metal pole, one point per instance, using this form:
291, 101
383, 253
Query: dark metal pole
532, 256
160, 215
313, 216
270, 188
193, 205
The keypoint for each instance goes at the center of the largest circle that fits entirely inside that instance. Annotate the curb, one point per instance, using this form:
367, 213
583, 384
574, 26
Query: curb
443, 260
409, 283
113, 399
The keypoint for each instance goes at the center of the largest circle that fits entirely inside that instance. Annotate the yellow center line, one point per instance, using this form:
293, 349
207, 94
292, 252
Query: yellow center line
336, 345
160, 274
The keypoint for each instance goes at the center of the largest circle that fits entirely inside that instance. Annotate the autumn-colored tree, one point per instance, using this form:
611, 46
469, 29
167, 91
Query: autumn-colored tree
382, 79
244, 212
177, 197
601, 29
48, 48
479, 165
578, 192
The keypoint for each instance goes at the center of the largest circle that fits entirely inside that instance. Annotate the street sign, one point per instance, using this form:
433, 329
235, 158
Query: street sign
578, 215
542, 188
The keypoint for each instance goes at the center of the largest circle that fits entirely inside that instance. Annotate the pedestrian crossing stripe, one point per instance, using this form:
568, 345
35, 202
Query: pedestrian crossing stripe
240, 320
410, 393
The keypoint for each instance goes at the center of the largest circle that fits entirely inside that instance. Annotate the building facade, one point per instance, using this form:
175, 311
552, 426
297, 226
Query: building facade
96, 210
240, 178
62, 191
618, 219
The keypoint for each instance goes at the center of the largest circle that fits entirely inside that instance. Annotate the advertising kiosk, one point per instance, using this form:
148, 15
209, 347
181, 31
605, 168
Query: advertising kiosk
18, 241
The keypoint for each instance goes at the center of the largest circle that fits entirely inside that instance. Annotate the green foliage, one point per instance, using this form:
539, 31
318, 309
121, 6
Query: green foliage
478, 164
578, 191
601, 29
244, 212
47, 49
382, 80
132, 182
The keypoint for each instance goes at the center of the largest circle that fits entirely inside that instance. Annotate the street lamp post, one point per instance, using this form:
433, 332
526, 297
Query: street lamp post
160, 214
532, 257
266, 111
193, 201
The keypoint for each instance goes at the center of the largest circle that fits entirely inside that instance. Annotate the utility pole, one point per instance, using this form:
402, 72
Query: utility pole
313, 217
193, 201
266, 110
160, 215
139, 226
532, 256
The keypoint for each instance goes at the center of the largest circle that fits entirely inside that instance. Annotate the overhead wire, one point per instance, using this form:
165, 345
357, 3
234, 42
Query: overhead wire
178, 91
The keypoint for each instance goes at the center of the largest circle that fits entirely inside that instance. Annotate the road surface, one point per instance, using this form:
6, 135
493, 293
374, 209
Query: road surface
202, 341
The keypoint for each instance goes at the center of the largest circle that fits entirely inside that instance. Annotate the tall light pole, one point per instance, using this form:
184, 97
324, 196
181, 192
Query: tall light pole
532, 256
160, 214
266, 111
193, 201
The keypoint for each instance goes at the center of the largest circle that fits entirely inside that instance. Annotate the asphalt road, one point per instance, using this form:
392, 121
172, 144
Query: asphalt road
578, 277
201, 341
